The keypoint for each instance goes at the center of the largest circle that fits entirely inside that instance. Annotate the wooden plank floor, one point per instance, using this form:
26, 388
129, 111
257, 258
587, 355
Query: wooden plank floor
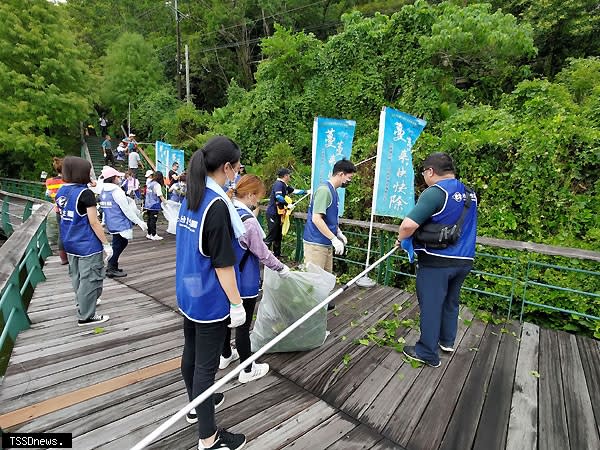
503, 387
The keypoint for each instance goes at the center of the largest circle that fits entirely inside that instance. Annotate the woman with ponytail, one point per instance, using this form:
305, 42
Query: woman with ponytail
206, 281
251, 250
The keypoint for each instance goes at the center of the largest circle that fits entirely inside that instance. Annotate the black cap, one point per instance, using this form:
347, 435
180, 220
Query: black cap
283, 172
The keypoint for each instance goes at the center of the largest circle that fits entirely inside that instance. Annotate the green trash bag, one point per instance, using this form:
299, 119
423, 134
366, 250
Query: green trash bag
284, 301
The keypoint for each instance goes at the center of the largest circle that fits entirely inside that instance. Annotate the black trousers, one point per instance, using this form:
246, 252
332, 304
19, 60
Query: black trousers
118, 245
274, 235
242, 335
151, 222
199, 364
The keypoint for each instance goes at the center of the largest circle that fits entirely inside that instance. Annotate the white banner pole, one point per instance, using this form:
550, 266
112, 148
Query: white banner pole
366, 281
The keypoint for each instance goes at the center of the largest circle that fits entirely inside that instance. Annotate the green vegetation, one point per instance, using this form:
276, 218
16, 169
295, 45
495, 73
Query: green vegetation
511, 89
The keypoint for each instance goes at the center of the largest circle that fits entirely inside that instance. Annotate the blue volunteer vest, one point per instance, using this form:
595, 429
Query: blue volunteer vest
78, 237
449, 215
248, 265
152, 201
200, 296
115, 218
311, 232
278, 186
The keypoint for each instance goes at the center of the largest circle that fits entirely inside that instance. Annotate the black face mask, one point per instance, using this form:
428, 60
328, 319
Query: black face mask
252, 207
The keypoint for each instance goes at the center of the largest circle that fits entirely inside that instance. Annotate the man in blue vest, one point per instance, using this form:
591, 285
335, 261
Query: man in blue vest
440, 271
276, 209
322, 234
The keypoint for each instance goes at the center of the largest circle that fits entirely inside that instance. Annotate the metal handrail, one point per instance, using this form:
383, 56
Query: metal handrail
21, 259
514, 277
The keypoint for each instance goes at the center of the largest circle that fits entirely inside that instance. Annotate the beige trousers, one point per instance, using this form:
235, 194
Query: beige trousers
319, 255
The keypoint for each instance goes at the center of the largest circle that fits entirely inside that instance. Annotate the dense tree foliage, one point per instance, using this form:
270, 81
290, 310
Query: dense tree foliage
131, 72
45, 86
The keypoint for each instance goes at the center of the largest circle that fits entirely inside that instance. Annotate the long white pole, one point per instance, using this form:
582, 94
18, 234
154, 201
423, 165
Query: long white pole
376, 182
206, 394
187, 75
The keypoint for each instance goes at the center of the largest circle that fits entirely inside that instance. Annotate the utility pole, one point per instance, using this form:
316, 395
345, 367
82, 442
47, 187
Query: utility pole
187, 75
178, 51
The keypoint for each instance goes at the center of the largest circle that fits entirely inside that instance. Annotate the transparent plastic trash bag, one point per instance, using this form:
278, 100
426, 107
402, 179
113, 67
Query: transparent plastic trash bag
132, 204
171, 213
284, 301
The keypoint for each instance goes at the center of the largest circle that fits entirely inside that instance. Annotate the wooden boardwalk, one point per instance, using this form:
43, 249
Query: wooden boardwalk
111, 386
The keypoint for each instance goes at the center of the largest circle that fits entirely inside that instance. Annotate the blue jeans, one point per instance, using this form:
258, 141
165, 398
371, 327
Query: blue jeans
438, 290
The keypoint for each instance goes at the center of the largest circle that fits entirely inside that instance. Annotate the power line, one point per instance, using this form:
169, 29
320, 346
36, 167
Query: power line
262, 18
255, 40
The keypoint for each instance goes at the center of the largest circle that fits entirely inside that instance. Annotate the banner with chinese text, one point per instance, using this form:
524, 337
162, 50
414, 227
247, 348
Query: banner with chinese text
394, 192
166, 155
332, 141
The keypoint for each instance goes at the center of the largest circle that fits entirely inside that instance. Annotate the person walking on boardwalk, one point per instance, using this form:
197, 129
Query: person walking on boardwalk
322, 234
206, 283
276, 209
52, 186
442, 267
83, 238
251, 251
119, 216
152, 203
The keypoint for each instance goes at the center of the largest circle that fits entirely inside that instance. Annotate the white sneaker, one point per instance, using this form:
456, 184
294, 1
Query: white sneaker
258, 371
224, 362
149, 236
446, 349
156, 237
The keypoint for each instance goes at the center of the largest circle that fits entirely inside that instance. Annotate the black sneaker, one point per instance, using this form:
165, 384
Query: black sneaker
410, 353
93, 320
330, 306
226, 441
192, 417
113, 273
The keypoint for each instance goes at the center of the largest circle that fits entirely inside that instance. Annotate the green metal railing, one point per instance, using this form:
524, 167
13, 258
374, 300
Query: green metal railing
11, 220
505, 278
34, 189
528, 283
21, 260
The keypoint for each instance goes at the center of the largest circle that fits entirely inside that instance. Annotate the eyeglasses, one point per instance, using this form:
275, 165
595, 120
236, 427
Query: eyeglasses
425, 170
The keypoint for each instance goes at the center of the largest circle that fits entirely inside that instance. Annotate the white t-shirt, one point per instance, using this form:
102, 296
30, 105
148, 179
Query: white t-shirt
134, 159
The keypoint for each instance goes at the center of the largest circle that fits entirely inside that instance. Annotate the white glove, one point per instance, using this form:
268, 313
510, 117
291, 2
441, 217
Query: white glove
143, 226
309, 191
285, 272
341, 237
338, 246
108, 252
237, 314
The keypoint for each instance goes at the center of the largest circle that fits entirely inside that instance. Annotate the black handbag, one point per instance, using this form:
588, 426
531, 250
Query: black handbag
439, 236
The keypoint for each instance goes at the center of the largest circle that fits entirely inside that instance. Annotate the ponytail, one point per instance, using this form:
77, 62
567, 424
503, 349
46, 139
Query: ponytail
196, 184
215, 153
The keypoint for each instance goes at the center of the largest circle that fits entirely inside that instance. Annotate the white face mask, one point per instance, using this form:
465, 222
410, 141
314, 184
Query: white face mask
229, 184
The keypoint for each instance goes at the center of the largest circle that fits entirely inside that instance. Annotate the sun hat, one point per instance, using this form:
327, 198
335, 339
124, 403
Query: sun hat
149, 173
108, 172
